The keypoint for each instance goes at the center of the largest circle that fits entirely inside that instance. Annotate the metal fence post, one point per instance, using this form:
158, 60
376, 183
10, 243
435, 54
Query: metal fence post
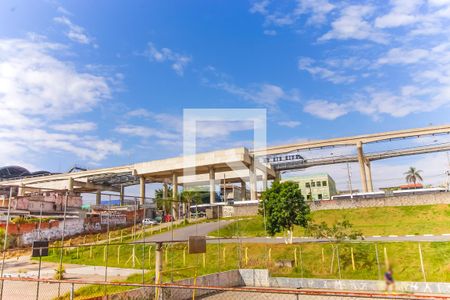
378, 261
338, 261
72, 291
421, 264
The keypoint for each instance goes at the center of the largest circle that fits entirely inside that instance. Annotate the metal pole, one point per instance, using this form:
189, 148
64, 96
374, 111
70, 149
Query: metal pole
62, 241
338, 261
107, 245
421, 264
5, 241
72, 291
378, 262
158, 265
143, 245
39, 273
40, 221
349, 180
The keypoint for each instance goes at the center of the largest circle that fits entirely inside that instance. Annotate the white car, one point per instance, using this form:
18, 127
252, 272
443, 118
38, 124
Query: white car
148, 221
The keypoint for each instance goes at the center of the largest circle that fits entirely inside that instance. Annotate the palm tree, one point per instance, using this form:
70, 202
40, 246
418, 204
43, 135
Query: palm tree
188, 197
413, 175
161, 202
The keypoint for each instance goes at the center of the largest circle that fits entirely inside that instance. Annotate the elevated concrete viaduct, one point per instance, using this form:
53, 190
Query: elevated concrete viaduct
235, 165
358, 142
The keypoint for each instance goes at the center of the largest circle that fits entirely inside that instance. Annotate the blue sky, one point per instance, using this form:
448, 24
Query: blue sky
103, 83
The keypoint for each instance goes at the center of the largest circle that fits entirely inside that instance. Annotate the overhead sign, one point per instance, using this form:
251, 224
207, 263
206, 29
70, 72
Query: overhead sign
276, 159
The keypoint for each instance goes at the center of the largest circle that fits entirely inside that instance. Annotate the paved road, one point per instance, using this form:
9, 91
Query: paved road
205, 228
23, 266
184, 232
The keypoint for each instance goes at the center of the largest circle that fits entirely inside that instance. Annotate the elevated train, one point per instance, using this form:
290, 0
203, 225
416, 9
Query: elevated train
388, 194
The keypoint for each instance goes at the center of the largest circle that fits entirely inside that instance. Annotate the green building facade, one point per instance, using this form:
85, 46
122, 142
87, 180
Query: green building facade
315, 186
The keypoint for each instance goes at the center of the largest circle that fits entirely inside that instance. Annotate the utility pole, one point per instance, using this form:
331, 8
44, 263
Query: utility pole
349, 180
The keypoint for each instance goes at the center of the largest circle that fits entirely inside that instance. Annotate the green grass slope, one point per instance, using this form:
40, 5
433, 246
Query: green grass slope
426, 219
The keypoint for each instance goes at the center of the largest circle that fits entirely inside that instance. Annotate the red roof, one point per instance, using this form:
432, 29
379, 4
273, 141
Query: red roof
411, 186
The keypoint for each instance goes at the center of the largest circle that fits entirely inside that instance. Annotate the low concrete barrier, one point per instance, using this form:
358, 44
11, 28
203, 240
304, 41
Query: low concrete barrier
261, 278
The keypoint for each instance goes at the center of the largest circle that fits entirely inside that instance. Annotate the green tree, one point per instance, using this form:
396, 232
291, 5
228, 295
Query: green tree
283, 207
189, 197
338, 232
163, 203
413, 175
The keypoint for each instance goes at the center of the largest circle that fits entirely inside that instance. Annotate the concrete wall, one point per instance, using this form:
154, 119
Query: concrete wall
410, 200
261, 278
50, 202
245, 210
225, 279
72, 227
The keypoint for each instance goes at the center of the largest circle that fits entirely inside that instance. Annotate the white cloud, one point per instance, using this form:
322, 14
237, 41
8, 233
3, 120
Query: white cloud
307, 64
268, 95
34, 82
374, 103
318, 10
270, 32
145, 132
352, 24
402, 56
178, 61
290, 124
403, 12
325, 109
75, 32
63, 11
439, 2
289, 15
75, 127
260, 7
37, 89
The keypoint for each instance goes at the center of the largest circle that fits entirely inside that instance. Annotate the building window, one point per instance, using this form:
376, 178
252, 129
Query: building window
318, 183
308, 197
324, 183
313, 184
307, 184
319, 196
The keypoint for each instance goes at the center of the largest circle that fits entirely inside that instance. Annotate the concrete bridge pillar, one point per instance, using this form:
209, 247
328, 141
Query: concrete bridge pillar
243, 190
122, 194
142, 189
98, 198
165, 190
362, 167
175, 203
264, 180
368, 170
70, 184
212, 186
252, 175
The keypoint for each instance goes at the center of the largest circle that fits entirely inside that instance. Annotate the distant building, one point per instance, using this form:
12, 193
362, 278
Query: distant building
348, 192
315, 186
409, 186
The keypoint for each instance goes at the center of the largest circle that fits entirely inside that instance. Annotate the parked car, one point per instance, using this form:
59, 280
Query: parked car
148, 221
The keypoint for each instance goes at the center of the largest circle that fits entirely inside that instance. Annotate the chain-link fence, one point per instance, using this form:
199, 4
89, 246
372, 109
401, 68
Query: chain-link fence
116, 259
25, 288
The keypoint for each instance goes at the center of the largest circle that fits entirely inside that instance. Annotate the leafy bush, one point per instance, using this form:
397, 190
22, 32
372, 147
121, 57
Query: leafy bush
59, 273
